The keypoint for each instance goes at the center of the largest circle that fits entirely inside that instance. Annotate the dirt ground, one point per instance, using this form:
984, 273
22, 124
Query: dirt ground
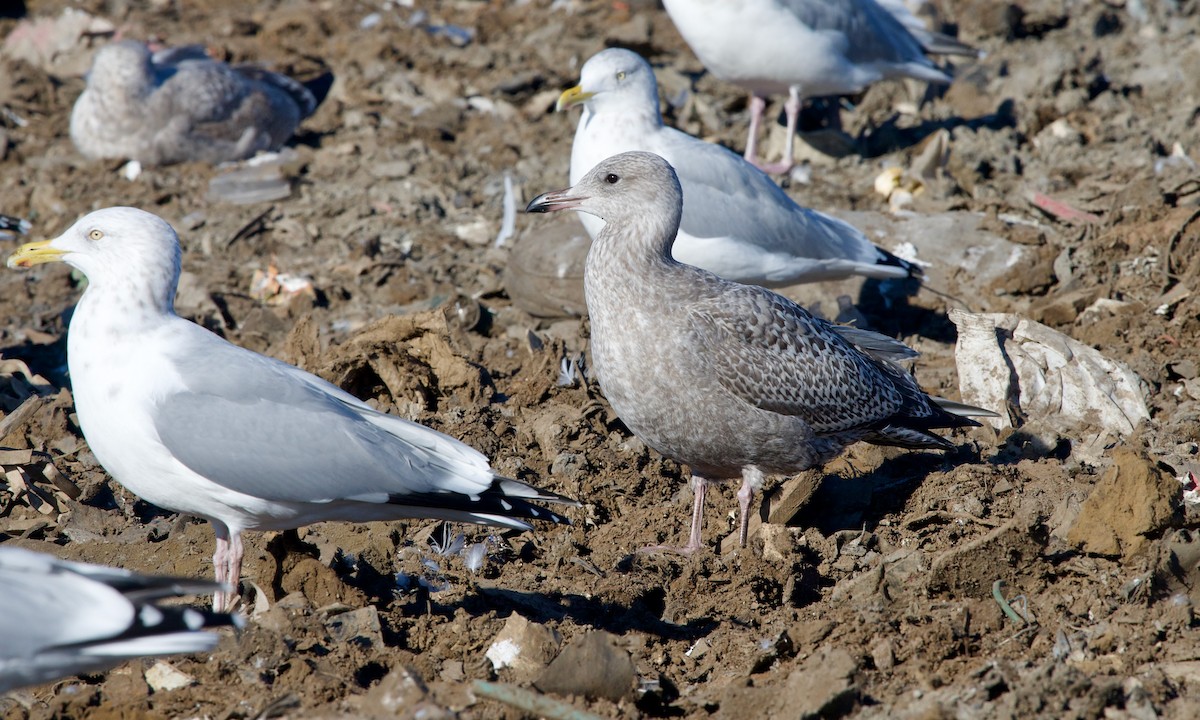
875, 599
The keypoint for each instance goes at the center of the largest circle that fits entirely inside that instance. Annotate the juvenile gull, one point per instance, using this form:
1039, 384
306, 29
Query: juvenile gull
806, 48
179, 105
729, 379
736, 221
60, 618
194, 424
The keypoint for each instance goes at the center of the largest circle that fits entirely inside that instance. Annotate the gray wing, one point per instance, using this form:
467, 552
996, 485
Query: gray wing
60, 618
725, 196
44, 604
210, 101
774, 355
267, 429
872, 33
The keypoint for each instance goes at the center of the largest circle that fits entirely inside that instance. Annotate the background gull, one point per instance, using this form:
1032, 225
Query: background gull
60, 618
736, 221
194, 424
10, 225
179, 105
729, 379
806, 48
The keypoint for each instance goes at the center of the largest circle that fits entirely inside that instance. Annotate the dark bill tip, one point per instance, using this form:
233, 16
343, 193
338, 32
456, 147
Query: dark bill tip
552, 201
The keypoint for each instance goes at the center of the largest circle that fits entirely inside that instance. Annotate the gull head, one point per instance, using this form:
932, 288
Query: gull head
124, 64
116, 245
631, 187
614, 79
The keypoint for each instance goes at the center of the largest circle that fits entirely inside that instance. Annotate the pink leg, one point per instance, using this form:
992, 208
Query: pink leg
757, 106
227, 567
752, 480
695, 542
236, 550
792, 109
220, 569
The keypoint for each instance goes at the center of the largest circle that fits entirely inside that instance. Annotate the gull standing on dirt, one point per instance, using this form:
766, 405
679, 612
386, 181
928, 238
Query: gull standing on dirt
729, 379
195, 424
736, 221
806, 48
178, 105
60, 618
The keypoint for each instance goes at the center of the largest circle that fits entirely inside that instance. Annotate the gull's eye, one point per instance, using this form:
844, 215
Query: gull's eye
611, 178
95, 235
621, 75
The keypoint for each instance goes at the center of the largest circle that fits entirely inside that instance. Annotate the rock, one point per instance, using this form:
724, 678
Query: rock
1133, 501
358, 626
593, 666
883, 654
162, 677
523, 646
401, 694
969, 570
822, 687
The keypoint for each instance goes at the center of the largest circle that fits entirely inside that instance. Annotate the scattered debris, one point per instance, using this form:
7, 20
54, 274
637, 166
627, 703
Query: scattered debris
532, 703
275, 288
62, 45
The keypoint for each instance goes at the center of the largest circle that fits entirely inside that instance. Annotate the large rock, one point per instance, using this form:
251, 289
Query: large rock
1134, 501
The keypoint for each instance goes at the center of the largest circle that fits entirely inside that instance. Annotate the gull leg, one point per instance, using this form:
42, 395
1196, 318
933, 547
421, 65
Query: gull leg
695, 542
752, 479
757, 106
792, 110
220, 569
234, 573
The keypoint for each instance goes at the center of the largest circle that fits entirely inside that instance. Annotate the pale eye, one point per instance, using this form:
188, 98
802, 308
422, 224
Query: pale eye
621, 75
95, 235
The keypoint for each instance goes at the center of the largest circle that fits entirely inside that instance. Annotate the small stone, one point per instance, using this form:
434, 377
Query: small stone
358, 626
883, 653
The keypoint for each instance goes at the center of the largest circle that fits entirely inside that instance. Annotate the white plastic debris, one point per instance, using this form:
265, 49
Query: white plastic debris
131, 170
1191, 491
508, 221
162, 677
1047, 380
503, 653
262, 178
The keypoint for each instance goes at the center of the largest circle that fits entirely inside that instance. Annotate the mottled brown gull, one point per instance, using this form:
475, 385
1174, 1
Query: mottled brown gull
736, 221
729, 379
806, 48
179, 105
61, 618
195, 424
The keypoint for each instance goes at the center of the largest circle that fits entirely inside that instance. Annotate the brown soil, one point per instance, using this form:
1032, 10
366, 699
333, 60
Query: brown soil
875, 600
